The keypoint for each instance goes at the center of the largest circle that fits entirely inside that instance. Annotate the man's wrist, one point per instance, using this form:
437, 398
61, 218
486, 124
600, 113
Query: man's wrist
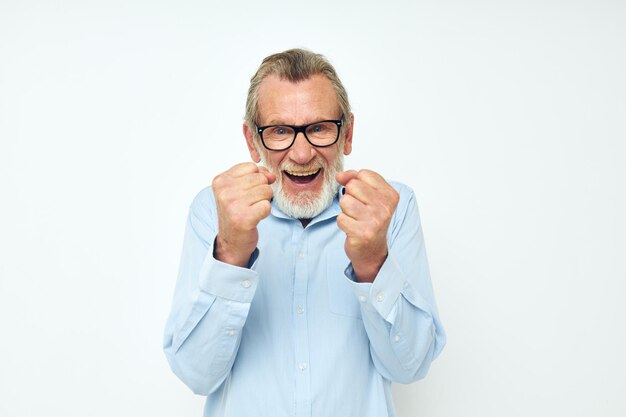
367, 271
223, 252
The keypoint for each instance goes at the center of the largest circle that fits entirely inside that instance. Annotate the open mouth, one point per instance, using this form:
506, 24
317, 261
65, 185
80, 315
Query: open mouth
302, 177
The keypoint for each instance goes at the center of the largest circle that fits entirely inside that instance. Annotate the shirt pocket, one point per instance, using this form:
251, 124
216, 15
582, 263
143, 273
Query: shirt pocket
341, 297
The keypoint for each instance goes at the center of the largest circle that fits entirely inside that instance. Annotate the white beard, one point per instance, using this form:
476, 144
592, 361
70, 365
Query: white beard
305, 204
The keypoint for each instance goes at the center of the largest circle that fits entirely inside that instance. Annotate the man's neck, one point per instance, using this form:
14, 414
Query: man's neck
305, 222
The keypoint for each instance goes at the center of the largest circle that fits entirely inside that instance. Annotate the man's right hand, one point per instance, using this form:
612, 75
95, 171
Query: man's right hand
243, 196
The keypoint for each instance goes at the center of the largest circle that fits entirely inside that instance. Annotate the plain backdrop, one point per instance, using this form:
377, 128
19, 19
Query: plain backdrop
506, 117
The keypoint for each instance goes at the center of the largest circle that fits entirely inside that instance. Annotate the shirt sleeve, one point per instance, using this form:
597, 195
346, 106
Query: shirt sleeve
210, 305
398, 309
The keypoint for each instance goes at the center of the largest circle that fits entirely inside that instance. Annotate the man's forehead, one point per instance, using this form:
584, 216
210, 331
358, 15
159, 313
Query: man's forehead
284, 101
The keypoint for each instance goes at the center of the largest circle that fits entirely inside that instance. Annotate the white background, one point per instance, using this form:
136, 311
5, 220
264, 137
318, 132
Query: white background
506, 117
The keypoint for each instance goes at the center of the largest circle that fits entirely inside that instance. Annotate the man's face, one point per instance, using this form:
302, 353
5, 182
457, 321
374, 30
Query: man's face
305, 183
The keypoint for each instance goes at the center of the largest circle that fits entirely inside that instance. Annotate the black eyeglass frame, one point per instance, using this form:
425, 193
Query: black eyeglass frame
298, 129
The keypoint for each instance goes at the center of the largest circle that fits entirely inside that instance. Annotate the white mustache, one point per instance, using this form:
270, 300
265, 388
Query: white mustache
312, 166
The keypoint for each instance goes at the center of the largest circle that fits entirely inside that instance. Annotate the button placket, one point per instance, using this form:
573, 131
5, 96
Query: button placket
300, 321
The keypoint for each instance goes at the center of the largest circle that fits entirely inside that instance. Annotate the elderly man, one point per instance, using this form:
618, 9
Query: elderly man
303, 290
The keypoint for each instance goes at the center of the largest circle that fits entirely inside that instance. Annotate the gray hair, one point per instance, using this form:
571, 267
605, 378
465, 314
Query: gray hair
294, 65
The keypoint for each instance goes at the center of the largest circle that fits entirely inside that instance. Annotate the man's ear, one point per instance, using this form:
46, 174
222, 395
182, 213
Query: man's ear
254, 154
347, 143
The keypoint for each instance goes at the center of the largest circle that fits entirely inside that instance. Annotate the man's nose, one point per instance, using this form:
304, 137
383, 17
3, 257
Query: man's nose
301, 151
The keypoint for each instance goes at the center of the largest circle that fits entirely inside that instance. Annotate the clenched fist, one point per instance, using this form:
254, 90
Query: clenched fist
243, 196
366, 210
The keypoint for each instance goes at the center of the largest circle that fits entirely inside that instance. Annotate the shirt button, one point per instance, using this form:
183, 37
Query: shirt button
301, 255
302, 366
300, 310
246, 283
230, 332
380, 297
397, 338
362, 298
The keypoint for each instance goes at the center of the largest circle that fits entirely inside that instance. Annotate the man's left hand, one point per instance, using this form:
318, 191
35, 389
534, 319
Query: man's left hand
367, 207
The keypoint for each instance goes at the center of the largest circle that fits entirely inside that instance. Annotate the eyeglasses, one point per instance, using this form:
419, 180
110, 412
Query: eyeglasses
280, 137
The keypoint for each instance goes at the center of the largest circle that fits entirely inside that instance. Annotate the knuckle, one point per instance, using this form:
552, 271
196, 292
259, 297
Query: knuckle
348, 203
217, 181
266, 208
219, 194
389, 209
365, 173
377, 224
261, 177
251, 166
350, 187
395, 196
343, 203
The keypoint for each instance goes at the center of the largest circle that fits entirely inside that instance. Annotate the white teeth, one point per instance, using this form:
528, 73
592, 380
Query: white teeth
302, 174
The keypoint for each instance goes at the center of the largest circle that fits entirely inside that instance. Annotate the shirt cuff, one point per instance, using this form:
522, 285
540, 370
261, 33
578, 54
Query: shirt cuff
383, 293
229, 281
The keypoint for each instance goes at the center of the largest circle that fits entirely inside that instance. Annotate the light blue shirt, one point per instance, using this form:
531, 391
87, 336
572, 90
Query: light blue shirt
294, 334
